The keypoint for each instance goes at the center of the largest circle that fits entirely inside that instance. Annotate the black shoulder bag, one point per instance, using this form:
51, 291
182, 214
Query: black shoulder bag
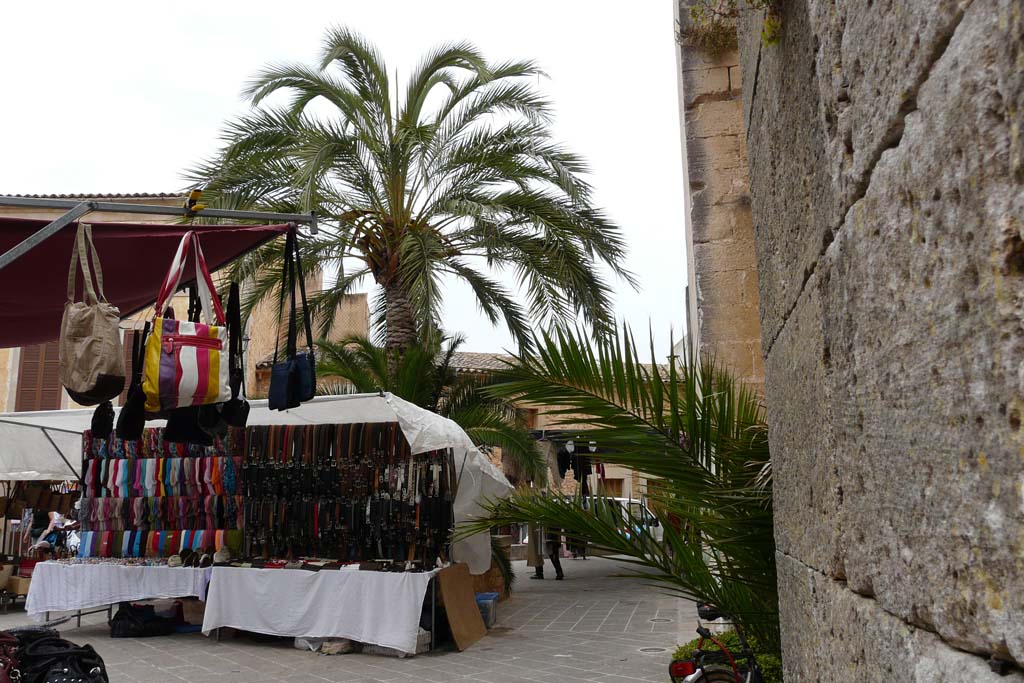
53, 659
132, 418
293, 380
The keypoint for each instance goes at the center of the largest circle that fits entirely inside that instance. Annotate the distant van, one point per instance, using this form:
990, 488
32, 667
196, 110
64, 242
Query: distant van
639, 511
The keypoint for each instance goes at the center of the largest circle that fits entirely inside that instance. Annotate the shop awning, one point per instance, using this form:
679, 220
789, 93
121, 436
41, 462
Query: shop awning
134, 257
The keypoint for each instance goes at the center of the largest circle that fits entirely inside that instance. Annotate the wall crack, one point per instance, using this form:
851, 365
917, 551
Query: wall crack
892, 139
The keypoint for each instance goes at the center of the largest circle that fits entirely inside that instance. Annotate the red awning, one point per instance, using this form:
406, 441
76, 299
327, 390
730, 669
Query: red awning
135, 258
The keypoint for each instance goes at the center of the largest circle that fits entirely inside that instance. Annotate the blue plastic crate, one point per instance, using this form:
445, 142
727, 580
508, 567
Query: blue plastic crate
488, 604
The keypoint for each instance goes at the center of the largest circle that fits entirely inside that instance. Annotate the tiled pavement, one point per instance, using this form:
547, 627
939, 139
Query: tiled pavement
590, 627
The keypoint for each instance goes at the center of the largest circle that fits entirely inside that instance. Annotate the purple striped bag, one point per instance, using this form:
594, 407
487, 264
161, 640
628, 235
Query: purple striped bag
186, 363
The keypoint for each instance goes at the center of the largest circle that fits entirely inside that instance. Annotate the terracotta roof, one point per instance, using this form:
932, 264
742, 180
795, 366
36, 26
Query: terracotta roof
463, 361
106, 195
471, 361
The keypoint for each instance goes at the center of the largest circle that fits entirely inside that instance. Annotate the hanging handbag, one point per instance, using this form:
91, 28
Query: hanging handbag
132, 418
184, 425
236, 411
186, 363
91, 359
293, 380
215, 420
102, 423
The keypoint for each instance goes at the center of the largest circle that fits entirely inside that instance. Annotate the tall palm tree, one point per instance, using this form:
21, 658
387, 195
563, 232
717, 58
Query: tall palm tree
424, 375
702, 439
458, 175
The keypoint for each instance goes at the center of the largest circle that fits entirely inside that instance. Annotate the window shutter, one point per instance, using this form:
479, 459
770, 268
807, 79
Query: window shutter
39, 386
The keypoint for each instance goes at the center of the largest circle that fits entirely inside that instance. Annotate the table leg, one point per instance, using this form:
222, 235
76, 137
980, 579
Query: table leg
79, 618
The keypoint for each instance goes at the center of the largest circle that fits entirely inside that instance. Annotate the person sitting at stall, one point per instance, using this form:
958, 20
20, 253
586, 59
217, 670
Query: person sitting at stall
42, 531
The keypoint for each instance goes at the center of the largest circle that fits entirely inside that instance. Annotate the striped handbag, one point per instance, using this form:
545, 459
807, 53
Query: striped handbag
186, 363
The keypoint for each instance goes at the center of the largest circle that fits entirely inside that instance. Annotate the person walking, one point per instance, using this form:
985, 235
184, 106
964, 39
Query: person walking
544, 542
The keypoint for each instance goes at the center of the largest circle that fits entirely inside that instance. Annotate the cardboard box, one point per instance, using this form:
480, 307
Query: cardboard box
18, 585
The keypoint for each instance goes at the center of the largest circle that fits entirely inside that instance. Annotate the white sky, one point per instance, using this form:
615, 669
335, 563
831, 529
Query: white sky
122, 96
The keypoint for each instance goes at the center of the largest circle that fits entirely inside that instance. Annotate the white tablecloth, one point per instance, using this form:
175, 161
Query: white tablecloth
59, 587
381, 608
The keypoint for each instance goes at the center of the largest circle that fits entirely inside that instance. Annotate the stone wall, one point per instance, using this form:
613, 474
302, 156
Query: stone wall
887, 180
722, 268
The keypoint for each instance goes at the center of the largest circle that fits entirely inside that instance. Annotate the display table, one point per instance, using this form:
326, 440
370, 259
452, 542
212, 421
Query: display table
60, 587
381, 608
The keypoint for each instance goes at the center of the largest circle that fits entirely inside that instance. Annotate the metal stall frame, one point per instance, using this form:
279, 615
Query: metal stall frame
75, 209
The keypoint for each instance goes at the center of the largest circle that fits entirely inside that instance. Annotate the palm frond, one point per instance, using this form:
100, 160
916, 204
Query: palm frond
697, 435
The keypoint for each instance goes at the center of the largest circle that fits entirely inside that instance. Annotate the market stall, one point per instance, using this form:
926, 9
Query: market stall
260, 488
412, 474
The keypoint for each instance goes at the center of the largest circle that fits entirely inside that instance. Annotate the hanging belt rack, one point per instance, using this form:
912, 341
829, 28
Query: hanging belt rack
77, 208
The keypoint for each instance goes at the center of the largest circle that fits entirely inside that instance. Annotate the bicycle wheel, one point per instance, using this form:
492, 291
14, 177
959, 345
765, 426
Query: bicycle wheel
718, 674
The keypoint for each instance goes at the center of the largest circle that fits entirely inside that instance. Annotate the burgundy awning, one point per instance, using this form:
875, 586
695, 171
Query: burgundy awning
134, 256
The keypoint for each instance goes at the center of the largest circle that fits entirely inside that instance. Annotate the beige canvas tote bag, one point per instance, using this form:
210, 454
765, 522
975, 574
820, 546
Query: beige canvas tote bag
91, 358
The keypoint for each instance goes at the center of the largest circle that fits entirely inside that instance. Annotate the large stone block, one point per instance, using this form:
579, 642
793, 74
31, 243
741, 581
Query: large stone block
923, 304
723, 255
832, 634
700, 85
714, 118
710, 223
723, 151
727, 318
807, 491
795, 208
869, 66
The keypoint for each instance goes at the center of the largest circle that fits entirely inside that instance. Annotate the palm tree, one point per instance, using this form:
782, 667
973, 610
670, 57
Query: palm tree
457, 176
424, 375
699, 435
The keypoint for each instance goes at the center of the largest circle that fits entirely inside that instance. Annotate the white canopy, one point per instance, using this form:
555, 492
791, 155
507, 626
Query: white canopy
48, 445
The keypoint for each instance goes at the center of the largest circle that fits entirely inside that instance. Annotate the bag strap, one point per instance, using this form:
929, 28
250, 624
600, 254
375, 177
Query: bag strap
211, 304
292, 326
302, 289
287, 290
207, 292
83, 239
140, 357
236, 371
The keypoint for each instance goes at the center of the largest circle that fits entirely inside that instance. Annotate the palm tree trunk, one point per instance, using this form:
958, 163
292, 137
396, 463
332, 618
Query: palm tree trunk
399, 319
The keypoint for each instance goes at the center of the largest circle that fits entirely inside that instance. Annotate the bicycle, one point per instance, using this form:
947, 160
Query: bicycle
716, 666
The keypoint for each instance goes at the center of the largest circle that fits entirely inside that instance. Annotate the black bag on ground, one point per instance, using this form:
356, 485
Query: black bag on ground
139, 621
293, 380
52, 659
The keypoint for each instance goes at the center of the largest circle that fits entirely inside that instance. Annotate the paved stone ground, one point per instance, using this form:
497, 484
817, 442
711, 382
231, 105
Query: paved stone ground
590, 627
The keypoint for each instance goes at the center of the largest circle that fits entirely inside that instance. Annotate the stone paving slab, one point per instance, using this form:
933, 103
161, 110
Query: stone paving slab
590, 627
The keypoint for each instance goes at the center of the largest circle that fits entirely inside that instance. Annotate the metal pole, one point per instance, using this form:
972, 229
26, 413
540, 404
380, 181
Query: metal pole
55, 447
35, 239
309, 219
